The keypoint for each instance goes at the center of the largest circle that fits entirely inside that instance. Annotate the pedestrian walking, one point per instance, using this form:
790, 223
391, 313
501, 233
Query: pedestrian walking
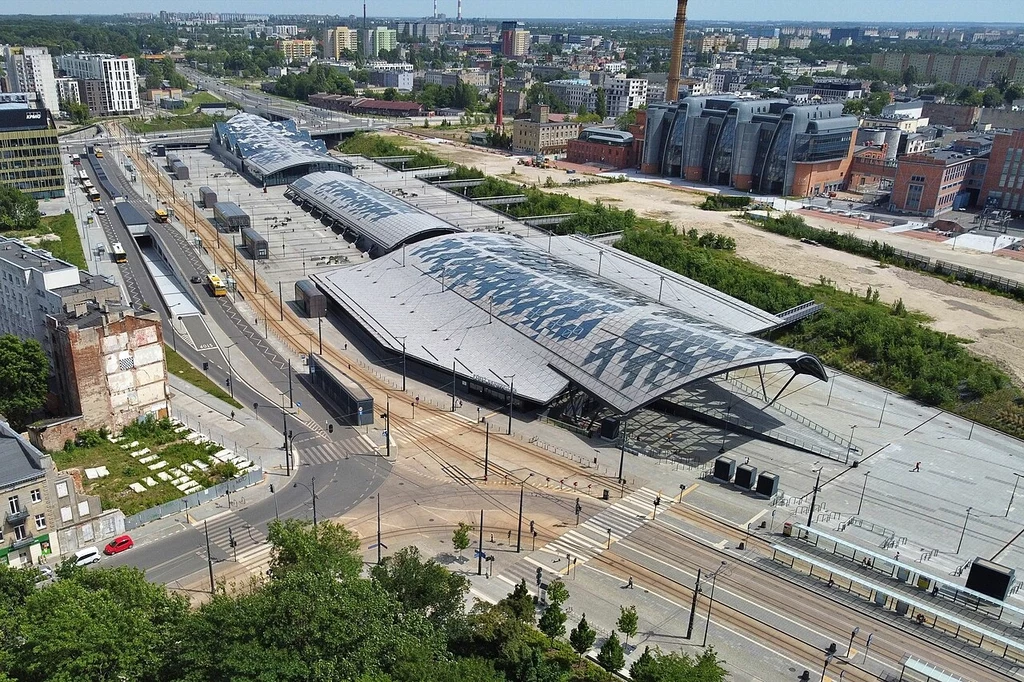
510, 535
917, 467
630, 583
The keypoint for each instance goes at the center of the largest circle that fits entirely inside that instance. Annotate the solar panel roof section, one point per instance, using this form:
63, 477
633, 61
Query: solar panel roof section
669, 288
271, 147
623, 347
384, 219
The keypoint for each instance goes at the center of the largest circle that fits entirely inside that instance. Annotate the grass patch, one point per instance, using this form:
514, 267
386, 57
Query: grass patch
181, 368
185, 121
69, 245
92, 449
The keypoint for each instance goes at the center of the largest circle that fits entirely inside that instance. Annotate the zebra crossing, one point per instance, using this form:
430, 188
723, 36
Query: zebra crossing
589, 539
336, 450
227, 526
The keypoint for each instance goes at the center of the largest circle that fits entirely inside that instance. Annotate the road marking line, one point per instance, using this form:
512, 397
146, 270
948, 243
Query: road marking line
754, 520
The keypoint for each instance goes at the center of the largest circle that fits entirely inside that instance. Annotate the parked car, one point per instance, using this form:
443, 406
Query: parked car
118, 545
84, 557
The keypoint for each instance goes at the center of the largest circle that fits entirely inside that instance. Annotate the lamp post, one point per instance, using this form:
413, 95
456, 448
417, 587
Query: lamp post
1012, 494
231, 372
849, 449
519, 533
963, 531
511, 393
814, 498
402, 339
862, 491
622, 449
849, 647
312, 493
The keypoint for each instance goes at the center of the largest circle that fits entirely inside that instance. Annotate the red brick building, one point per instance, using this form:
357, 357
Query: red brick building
933, 183
1003, 186
606, 146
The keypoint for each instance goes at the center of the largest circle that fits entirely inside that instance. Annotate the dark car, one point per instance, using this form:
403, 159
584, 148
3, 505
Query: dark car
195, 279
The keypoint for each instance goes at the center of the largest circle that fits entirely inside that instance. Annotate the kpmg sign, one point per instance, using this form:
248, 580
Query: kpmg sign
24, 119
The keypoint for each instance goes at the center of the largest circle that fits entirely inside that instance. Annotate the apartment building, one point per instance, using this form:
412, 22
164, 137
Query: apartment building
623, 94
30, 69
296, 50
540, 135
36, 285
29, 153
515, 39
338, 39
383, 39
576, 93
110, 84
68, 91
44, 511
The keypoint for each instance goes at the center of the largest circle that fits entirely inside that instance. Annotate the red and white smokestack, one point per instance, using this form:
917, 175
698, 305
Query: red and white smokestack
435, 9
460, 11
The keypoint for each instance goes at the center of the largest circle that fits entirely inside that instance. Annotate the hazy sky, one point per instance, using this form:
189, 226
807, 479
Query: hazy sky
925, 11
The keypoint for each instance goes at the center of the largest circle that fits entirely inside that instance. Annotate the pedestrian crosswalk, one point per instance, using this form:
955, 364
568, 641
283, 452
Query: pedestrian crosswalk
335, 450
227, 526
593, 536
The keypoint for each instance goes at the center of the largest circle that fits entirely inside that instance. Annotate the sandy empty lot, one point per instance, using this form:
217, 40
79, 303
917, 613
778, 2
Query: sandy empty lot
995, 324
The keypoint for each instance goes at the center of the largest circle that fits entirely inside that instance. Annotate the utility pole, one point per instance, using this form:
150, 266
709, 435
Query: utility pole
693, 606
387, 427
622, 449
209, 557
280, 299
291, 401
487, 447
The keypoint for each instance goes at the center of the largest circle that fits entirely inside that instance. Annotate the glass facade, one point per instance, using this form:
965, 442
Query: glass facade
825, 147
30, 161
720, 171
773, 179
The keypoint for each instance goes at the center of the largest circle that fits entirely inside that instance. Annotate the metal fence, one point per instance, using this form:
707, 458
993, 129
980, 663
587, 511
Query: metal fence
250, 478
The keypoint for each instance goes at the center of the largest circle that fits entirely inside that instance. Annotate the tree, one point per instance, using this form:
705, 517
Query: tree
582, 637
1012, 93
654, 666
98, 625
628, 621
76, 111
520, 604
910, 76
611, 657
329, 549
991, 97
552, 621
16, 585
558, 593
460, 538
601, 106
390, 94
804, 80
855, 107
24, 371
18, 211
424, 587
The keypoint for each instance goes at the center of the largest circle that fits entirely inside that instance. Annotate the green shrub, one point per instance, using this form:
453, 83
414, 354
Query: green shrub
721, 202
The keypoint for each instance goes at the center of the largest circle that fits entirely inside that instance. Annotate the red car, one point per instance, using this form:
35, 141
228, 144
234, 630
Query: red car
118, 545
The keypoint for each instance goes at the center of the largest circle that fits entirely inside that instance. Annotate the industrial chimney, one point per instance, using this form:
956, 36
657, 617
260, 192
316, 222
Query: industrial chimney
435, 9
460, 11
675, 66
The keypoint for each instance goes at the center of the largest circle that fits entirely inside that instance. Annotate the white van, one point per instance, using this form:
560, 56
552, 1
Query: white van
89, 555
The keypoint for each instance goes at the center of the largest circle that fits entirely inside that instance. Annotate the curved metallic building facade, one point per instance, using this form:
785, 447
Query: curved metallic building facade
488, 306
771, 146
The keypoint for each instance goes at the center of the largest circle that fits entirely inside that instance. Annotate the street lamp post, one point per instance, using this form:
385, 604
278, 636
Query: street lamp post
849, 647
814, 499
511, 393
863, 490
849, 449
312, 493
622, 449
487, 447
403, 362
519, 532
963, 531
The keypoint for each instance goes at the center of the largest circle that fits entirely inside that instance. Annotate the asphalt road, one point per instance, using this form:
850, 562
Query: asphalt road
342, 482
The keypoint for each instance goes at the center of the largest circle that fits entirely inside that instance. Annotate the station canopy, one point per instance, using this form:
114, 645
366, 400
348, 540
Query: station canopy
383, 220
267, 148
501, 310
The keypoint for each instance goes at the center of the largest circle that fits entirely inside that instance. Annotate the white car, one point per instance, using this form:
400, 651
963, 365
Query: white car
101, 211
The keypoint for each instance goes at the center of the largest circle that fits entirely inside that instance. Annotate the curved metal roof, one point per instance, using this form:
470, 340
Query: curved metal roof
381, 218
498, 305
267, 148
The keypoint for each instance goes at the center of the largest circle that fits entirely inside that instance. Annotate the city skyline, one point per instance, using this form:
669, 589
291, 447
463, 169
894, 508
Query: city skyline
908, 11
